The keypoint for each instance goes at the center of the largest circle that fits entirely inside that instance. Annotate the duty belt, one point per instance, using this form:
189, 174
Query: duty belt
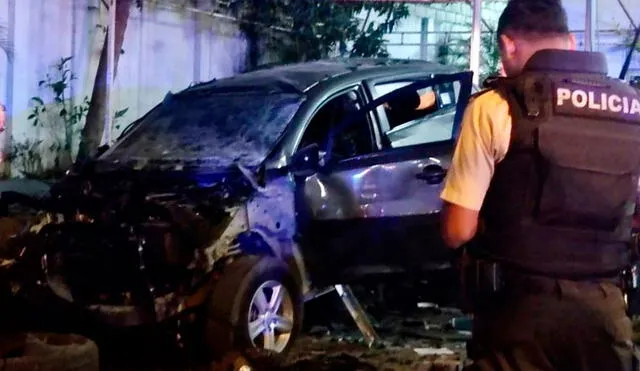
516, 282
485, 278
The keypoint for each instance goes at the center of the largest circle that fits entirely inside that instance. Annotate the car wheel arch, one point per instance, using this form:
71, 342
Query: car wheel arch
255, 242
223, 326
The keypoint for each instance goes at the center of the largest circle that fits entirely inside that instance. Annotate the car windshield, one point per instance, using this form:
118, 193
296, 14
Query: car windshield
218, 129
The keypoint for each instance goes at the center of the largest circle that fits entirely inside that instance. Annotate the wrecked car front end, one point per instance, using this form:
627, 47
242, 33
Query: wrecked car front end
137, 256
136, 236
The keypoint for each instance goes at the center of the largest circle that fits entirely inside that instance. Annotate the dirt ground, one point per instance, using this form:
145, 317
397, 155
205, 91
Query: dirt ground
410, 338
401, 339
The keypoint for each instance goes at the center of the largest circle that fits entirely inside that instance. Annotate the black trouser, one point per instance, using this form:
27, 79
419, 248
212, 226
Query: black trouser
547, 324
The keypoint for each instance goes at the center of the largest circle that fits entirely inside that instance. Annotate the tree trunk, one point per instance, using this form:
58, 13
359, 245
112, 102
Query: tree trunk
94, 126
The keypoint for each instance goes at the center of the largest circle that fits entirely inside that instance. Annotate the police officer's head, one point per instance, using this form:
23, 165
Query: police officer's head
527, 26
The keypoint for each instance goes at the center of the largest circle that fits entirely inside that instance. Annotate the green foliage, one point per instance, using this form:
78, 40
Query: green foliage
455, 52
489, 55
62, 118
115, 127
26, 156
120, 114
312, 29
627, 35
300, 30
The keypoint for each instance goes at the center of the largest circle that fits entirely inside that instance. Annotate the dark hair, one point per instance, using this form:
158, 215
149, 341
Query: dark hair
533, 18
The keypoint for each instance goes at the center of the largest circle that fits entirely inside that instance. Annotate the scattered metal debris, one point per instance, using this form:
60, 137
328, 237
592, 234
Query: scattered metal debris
433, 351
423, 305
358, 314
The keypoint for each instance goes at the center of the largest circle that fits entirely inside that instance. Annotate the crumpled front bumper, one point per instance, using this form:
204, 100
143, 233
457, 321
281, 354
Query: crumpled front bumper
164, 308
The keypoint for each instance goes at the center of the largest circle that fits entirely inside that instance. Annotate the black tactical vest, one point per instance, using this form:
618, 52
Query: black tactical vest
561, 201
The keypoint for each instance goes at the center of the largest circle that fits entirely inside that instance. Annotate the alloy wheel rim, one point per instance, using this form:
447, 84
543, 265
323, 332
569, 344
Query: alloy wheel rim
270, 317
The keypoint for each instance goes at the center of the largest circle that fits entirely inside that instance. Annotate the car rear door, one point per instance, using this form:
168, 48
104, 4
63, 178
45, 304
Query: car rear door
379, 211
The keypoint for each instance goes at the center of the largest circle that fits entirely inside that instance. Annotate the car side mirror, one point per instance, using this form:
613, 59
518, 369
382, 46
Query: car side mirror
306, 161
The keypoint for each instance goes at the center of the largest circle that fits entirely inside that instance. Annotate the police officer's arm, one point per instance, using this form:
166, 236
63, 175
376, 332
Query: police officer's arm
483, 141
459, 224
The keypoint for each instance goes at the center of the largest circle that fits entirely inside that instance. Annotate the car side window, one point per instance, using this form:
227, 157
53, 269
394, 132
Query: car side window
354, 140
421, 117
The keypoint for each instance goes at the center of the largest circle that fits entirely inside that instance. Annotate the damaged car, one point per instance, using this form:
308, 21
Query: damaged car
234, 201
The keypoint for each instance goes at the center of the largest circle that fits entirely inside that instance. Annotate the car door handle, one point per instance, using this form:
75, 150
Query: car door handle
432, 174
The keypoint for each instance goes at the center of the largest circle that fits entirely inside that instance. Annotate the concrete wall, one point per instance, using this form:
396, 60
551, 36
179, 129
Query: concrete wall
453, 19
163, 51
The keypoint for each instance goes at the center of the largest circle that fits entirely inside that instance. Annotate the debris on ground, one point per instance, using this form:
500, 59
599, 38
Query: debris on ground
434, 351
414, 337
52, 352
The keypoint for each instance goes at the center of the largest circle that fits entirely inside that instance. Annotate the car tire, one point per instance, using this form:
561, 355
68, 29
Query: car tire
54, 352
235, 306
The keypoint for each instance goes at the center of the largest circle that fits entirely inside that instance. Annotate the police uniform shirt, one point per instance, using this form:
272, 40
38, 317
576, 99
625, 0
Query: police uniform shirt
483, 142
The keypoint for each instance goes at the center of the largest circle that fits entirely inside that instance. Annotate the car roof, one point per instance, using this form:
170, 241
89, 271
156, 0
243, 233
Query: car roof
299, 77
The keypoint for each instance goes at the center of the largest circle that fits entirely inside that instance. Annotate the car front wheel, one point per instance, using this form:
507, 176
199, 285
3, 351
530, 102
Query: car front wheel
255, 304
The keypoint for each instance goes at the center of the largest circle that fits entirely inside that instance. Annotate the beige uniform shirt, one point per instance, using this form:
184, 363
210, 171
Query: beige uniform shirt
483, 142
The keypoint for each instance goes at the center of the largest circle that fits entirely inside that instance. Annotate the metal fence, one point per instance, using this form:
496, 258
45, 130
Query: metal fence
611, 42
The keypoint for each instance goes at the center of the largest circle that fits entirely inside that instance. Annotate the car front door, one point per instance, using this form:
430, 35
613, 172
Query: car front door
375, 211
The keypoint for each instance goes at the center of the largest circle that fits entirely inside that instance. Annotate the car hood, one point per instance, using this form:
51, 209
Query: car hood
111, 188
229, 184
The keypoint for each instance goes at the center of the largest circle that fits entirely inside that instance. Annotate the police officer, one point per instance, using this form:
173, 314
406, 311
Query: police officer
544, 176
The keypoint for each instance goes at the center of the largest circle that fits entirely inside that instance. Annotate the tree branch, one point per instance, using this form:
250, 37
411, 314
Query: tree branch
366, 19
624, 9
389, 14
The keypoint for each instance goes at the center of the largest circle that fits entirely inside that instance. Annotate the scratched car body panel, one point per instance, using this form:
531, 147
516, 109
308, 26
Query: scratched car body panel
311, 171
374, 191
